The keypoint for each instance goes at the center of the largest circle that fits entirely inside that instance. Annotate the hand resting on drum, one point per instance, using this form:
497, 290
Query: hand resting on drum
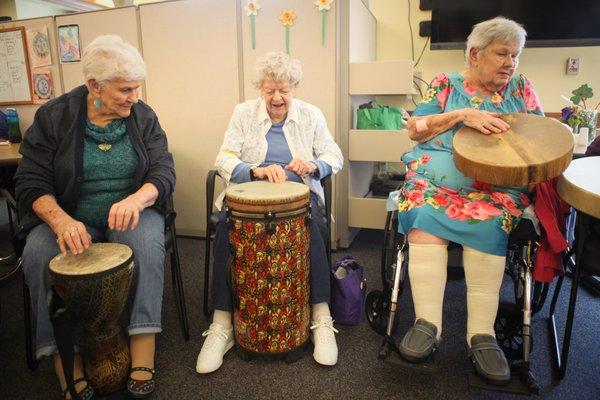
484, 121
71, 234
301, 167
274, 173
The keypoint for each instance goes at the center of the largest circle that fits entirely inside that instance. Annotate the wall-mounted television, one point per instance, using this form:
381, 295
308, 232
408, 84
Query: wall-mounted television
549, 23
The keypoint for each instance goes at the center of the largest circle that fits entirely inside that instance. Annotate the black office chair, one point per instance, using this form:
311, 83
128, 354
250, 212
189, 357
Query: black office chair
212, 217
170, 245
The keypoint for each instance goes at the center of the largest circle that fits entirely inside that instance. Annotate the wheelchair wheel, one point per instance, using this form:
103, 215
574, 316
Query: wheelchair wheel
377, 310
509, 330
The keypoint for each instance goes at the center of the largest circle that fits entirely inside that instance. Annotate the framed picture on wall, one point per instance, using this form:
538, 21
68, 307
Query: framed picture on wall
68, 43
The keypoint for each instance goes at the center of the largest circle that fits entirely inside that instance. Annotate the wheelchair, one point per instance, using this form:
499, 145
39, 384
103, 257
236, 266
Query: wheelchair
512, 325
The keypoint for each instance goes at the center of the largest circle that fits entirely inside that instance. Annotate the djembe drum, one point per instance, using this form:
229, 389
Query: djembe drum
94, 287
533, 150
270, 239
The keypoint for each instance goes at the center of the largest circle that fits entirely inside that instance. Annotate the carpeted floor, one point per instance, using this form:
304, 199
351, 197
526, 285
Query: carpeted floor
358, 375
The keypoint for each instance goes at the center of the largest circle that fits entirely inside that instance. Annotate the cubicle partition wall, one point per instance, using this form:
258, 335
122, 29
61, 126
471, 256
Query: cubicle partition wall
190, 48
200, 62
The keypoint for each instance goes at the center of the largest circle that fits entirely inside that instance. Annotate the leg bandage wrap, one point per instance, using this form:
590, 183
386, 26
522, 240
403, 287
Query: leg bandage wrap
427, 270
483, 273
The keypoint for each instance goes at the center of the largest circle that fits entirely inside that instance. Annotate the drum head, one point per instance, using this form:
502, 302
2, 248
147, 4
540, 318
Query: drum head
98, 258
262, 196
533, 150
264, 192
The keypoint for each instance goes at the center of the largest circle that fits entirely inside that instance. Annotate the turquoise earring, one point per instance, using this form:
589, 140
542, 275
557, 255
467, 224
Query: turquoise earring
97, 103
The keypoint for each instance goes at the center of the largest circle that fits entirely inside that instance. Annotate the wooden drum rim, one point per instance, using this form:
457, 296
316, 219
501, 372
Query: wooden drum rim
514, 158
584, 199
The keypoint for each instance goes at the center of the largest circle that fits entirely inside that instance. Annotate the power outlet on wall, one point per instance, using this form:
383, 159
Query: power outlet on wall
573, 65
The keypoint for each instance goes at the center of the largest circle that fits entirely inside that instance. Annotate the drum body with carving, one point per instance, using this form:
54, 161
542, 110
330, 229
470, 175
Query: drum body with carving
94, 286
270, 239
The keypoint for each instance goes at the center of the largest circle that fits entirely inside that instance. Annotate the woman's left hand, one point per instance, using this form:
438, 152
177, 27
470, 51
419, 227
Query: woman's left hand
125, 213
301, 167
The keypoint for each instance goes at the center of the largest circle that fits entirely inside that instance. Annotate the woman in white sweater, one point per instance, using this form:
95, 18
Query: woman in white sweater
275, 138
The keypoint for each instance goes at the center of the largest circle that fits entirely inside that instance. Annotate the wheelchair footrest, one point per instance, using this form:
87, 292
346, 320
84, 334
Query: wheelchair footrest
518, 384
429, 365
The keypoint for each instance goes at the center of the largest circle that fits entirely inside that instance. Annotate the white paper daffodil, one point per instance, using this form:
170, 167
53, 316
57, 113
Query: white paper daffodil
252, 7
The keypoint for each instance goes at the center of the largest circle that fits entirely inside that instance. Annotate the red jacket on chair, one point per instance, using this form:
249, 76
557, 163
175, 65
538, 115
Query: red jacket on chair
551, 210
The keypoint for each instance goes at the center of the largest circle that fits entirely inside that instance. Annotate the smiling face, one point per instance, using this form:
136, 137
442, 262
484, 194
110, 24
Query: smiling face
278, 98
117, 96
495, 64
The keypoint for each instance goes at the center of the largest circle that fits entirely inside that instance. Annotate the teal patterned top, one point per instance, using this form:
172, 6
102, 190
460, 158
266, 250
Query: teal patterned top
436, 197
109, 165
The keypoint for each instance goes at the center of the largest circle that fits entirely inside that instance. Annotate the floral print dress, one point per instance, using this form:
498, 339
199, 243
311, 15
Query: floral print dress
436, 197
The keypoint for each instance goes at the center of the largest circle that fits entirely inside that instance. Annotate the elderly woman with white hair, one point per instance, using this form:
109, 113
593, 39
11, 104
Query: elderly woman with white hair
96, 167
276, 138
438, 204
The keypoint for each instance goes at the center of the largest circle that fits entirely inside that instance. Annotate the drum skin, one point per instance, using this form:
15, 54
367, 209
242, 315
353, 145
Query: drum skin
270, 270
533, 150
96, 300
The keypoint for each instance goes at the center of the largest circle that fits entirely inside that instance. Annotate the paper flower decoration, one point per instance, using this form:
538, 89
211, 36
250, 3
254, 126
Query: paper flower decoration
287, 18
252, 8
324, 6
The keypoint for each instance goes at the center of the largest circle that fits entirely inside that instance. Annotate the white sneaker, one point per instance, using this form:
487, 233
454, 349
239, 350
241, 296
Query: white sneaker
323, 337
218, 341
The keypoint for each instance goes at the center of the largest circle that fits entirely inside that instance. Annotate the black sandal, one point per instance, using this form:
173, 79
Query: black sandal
141, 389
87, 393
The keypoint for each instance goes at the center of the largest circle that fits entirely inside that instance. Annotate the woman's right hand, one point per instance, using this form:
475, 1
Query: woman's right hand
274, 173
71, 235
484, 121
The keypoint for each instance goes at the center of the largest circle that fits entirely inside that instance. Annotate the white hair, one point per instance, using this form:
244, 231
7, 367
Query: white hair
277, 66
499, 29
108, 57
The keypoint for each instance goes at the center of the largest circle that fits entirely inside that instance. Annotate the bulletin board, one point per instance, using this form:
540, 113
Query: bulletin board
15, 80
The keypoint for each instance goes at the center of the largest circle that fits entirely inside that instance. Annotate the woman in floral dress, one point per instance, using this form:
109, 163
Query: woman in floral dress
438, 203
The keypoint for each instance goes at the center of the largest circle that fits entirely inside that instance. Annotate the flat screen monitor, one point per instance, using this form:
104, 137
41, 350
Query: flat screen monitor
549, 23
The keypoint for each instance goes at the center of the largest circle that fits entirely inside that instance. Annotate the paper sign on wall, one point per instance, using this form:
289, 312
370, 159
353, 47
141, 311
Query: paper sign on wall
38, 45
42, 85
68, 43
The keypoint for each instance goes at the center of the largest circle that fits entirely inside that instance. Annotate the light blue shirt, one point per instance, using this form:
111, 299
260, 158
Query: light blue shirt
278, 152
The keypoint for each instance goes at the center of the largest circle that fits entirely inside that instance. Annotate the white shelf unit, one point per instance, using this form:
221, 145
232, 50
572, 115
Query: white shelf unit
365, 147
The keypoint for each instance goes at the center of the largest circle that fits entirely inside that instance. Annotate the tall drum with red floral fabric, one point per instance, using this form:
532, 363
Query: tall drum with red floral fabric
270, 238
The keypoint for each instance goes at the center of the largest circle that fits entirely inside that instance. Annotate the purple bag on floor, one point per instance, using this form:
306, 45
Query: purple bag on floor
348, 288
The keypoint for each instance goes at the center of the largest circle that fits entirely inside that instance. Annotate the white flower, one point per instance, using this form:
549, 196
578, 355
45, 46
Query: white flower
323, 4
252, 7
